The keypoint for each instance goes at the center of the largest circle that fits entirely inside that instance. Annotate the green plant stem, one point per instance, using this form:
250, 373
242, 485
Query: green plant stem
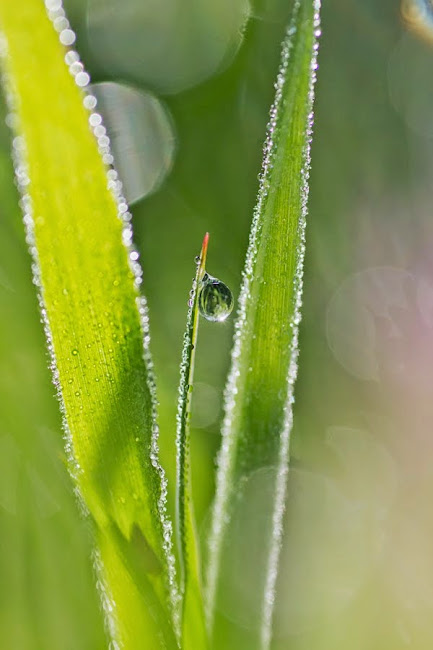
193, 626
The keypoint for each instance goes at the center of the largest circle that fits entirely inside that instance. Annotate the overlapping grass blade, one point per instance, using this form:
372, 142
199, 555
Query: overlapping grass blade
253, 462
95, 322
193, 625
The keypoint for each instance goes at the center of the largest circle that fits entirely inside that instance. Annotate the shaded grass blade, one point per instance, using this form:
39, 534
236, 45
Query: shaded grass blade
193, 625
253, 461
95, 322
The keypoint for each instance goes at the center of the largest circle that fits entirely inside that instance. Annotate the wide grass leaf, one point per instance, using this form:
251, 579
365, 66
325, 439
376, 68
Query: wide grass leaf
246, 527
95, 322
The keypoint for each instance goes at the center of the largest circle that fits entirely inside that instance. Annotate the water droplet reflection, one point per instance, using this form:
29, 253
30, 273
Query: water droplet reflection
164, 43
418, 17
141, 134
379, 326
410, 83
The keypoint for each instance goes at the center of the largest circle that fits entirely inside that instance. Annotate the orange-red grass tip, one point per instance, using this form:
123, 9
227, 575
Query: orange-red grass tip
204, 252
205, 243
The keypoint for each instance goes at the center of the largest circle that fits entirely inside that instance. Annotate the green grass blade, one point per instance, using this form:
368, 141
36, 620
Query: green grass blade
193, 624
253, 461
95, 322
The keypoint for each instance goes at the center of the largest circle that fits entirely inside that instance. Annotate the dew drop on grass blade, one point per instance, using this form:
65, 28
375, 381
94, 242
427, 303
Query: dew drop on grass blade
193, 630
96, 322
247, 519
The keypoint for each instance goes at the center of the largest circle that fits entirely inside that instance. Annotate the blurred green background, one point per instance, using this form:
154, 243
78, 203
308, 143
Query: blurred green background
187, 132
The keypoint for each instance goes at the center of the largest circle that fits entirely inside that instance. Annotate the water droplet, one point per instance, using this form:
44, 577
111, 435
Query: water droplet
67, 37
77, 393
215, 299
89, 102
95, 119
82, 79
75, 352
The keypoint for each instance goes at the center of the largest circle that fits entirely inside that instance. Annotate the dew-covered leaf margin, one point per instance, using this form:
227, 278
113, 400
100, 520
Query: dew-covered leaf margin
260, 390
193, 628
88, 277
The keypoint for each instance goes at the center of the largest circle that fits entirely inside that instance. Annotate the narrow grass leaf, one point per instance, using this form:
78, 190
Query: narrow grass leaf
193, 624
246, 527
95, 320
